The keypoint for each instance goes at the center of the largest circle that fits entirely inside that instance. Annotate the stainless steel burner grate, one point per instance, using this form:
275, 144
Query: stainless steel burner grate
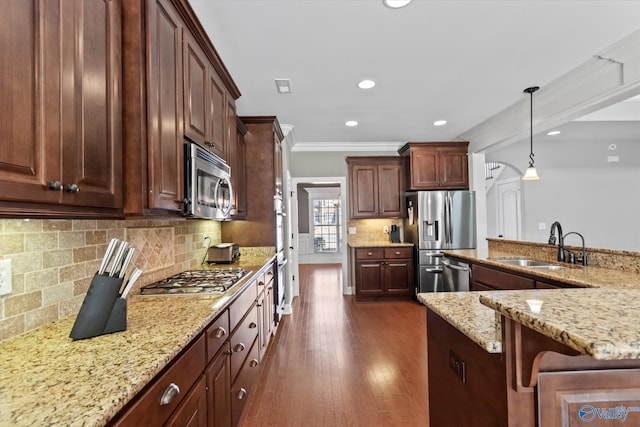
214, 281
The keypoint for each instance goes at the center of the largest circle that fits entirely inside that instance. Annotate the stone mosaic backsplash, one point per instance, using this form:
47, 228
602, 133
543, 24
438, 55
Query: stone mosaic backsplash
53, 261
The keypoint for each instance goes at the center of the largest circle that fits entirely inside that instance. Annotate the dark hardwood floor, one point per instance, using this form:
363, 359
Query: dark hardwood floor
339, 363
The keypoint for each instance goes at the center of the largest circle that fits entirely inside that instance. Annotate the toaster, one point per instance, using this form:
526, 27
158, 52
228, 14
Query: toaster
223, 253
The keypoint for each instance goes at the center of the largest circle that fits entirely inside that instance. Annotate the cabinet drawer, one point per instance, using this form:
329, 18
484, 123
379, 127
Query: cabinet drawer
500, 279
369, 253
269, 276
242, 385
242, 339
398, 253
148, 409
216, 334
242, 304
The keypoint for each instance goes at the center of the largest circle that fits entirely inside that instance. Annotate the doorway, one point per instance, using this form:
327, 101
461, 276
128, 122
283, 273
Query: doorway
504, 204
318, 221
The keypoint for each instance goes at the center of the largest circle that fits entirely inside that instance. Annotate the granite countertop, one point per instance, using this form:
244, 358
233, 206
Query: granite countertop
46, 378
379, 245
594, 319
598, 322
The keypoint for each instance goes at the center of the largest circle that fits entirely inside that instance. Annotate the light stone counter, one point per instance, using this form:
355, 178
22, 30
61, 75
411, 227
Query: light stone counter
47, 379
464, 311
380, 245
599, 319
602, 323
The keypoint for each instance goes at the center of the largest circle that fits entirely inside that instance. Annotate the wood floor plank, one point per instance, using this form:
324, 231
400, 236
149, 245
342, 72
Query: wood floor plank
340, 363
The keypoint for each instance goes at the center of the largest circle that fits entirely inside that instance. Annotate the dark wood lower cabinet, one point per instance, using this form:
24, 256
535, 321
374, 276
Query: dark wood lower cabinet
383, 273
535, 381
218, 377
467, 385
242, 384
192, 412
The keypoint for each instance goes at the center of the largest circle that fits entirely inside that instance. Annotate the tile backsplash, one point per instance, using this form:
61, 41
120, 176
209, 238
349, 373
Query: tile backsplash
371, 230
53, 261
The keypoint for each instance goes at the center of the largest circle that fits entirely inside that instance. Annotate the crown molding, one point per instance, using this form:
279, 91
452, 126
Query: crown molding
383, 146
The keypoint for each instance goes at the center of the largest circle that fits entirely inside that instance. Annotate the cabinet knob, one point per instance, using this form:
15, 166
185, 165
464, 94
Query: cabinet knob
170, 393
397, 252
252, 325
228, 352
270, 273
369, 253
260, 283
220, 332
72, 188
54, 185
242, 393
239, 347
253, 363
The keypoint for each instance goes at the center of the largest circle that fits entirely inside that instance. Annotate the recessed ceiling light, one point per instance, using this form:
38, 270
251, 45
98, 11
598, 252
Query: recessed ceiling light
554, 132
396, 4
366, 84
351, 123
283, 85
440, 123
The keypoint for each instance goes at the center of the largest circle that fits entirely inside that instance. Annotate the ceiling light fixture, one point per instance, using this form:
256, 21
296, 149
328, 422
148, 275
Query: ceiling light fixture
531, 174
351, 123
283, 85
440, 123
366, 84
396, 4
553, 133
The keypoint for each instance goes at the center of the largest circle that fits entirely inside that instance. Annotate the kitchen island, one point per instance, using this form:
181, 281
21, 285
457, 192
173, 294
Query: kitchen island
572, 362
46, 378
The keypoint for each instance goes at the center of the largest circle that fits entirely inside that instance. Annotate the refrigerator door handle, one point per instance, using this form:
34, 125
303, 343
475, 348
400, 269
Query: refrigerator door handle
450, 219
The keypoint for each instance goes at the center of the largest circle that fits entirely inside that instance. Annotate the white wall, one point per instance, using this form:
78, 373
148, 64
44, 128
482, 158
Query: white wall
581, 190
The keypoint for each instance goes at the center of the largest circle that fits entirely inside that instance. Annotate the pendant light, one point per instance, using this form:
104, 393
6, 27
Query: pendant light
531, 174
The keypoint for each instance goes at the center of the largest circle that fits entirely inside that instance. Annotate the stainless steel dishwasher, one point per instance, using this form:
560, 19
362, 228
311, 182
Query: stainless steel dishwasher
457, 275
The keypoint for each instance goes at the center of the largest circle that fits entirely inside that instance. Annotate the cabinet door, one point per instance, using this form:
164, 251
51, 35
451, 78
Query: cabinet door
30, 109
165, 141
192, 412
390, 190
221, 131
424, 169
237, 159
398, 277
453, 168
196, 101
62, 109
91, 99
364, 191
218, 377
369, 278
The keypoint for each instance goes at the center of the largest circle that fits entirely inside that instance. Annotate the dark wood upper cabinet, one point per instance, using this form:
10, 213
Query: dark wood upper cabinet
237, 159
376, 187
61, 119
175, 86
436, 165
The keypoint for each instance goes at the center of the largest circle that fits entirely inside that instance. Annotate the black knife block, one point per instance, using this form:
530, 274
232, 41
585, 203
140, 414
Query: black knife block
102, 311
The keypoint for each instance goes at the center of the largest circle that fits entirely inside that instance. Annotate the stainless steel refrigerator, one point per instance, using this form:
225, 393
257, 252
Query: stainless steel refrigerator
438, 220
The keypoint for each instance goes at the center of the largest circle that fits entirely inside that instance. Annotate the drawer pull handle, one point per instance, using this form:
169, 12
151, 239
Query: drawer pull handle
170, 393
242, 393
253, 363
228, 352
238, 348
260, 283
397, 252
253, 325
270, 273
258, 305
370, 253
220, 332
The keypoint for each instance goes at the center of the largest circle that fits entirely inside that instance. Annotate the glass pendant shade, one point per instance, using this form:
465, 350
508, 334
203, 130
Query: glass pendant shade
531, 174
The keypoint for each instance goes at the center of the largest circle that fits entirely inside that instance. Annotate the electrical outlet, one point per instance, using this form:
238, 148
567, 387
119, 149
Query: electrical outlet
5, 277
204, 240
385, 229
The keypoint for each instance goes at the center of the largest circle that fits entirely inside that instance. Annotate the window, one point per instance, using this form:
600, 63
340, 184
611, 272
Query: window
326, 225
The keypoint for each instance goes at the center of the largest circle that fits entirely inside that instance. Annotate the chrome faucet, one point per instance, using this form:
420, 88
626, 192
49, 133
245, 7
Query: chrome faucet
583, 259
552, 240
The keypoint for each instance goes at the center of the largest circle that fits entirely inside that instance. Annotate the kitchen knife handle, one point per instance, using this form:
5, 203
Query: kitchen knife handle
170, 393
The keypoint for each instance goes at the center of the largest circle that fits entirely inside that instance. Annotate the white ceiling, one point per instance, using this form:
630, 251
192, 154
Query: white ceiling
462, 61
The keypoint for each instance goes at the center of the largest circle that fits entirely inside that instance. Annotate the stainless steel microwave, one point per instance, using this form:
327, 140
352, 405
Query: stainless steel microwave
208, 192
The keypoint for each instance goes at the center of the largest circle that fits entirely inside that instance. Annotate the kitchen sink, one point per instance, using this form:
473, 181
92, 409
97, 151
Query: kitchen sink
532, 263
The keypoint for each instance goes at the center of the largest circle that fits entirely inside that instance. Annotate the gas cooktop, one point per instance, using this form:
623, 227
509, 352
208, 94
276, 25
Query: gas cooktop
211, 282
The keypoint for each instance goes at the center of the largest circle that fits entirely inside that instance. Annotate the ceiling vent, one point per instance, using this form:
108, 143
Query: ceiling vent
283, 85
